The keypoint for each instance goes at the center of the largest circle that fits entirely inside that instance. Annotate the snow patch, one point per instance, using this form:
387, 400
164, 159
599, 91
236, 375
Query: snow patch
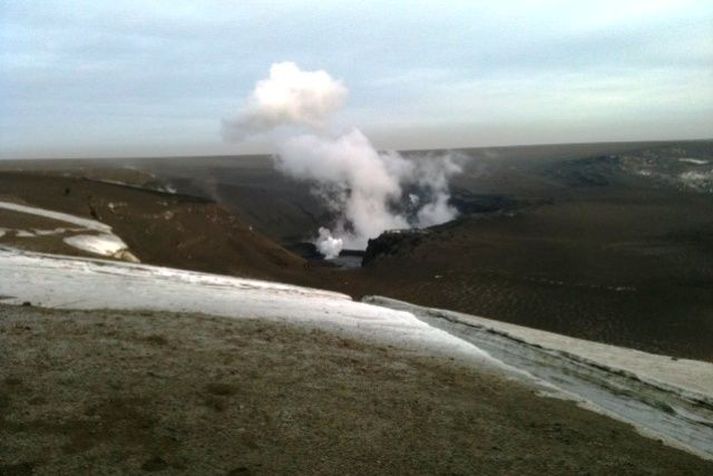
56, 231
105, 244
693, 161
65, 217
701, 181
84, 283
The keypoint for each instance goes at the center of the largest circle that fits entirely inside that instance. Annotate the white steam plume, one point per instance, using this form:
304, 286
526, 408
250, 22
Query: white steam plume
367, 186
329, 246
288, 97
372, 191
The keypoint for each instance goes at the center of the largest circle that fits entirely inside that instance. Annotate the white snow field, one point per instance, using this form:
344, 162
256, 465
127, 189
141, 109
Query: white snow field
670, 399
101, 242
81, 283
663, 398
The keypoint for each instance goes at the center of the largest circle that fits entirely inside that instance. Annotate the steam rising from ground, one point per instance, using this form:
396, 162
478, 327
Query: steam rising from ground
370, 191
329, 246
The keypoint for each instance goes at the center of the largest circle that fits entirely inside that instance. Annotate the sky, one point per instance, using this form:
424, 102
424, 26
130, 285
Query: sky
147, 78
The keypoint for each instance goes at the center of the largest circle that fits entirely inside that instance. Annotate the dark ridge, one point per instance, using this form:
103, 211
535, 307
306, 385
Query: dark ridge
470, 203
391, 243
185, 197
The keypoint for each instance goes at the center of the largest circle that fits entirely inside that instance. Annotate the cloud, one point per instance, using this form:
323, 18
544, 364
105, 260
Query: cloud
289, 96
114, 78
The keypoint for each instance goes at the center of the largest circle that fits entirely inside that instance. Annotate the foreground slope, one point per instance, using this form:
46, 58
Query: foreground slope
665, 398
107, 392
43, 343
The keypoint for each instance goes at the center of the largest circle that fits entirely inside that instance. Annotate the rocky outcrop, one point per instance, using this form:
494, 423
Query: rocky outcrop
391, 243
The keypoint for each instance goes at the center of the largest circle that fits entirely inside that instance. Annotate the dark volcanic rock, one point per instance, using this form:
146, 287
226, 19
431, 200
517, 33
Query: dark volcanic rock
304, 249
468, 203
588, 172
391, 243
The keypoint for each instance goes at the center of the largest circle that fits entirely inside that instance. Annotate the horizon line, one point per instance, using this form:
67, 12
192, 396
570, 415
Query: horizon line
400, 150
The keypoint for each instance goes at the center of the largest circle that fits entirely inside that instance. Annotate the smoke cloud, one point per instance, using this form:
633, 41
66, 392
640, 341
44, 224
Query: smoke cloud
371, 191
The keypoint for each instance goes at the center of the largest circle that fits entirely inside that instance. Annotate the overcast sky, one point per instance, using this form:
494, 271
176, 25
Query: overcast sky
116, 78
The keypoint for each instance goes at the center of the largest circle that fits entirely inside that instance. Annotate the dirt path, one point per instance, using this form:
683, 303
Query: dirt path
117, 393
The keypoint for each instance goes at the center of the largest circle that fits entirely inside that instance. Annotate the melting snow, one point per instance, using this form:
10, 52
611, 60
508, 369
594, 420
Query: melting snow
666, 398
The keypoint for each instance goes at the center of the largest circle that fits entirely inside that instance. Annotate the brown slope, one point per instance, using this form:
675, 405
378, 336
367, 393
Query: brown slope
160, 228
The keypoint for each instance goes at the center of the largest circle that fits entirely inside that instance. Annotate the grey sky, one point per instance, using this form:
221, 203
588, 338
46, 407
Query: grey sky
113, 78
